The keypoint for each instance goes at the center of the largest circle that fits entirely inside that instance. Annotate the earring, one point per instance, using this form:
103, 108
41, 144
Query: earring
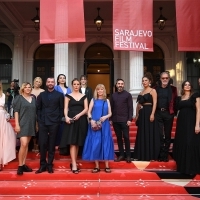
149, 84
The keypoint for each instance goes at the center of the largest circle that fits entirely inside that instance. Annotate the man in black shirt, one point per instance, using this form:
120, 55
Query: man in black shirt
165, 111
122, 114
50, 110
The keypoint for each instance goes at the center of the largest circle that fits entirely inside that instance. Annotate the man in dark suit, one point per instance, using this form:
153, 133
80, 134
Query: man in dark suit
50, 110
165, 111
84, 89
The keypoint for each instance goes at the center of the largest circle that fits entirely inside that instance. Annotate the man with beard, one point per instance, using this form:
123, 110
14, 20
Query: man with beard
50, 108
165, 111
122, 114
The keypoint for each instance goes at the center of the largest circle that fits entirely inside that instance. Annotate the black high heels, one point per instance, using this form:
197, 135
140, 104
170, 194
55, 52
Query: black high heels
76, 170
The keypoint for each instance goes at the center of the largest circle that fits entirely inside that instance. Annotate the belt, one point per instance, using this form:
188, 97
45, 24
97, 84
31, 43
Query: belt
162, 109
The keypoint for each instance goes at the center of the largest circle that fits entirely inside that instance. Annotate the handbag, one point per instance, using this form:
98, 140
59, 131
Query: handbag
7, 115
98, 123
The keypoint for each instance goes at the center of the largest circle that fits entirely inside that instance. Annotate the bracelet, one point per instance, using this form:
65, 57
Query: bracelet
90, 118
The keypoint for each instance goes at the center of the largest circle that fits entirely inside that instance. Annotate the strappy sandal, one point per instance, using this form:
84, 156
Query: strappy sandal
75, 171
95, 170
77, 167
107, 170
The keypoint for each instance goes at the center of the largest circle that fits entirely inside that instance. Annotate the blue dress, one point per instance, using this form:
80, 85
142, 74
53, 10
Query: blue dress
99, 144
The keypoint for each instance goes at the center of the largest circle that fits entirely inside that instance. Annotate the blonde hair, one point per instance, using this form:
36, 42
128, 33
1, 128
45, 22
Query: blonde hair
104, 91
37, 78
1, 89
23, 86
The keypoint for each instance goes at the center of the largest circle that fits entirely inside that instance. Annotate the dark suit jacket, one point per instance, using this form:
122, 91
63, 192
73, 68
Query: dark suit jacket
172, 103
50, 107
88, 93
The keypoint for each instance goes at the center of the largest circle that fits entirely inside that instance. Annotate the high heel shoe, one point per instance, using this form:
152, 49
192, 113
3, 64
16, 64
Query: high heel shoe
75, 171
77, 168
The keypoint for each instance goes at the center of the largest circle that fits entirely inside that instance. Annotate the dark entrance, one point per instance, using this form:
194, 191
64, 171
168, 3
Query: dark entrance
44, 63
154, 61
99, 66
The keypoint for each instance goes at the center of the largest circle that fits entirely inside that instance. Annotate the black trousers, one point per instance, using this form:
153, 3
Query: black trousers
47, 139
165, 122
122, 131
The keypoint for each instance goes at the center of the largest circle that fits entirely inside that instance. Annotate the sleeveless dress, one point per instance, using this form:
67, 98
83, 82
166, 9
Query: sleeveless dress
186, 148
147, 144
99, 144
7, 136
74, 133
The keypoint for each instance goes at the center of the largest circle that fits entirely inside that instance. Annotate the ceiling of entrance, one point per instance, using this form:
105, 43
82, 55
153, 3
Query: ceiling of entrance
16, 15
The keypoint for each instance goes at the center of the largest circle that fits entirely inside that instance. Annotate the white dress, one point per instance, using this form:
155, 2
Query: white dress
7, 136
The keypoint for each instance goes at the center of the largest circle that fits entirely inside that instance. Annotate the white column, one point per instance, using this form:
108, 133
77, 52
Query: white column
125, 69
180, 70
61, 60
17, 70
136, 74
72, 62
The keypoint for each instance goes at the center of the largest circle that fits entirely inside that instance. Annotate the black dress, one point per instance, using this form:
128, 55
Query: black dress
147, 144
74, 133
186, 148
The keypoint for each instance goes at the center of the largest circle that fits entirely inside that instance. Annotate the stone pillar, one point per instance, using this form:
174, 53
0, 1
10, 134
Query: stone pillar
17, 69
61, 60
125, 69
136, 74
72, 62
180, 70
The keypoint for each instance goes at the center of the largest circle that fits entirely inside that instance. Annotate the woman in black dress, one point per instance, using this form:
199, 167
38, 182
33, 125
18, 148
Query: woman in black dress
186, 149
75, 128
147, 143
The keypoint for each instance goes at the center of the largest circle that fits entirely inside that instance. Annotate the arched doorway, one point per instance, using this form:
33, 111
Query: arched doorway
44, 62
5, 64
99, 66
154, 61
193, 69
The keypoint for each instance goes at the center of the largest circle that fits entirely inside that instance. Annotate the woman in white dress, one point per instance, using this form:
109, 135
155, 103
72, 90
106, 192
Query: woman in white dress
7, 134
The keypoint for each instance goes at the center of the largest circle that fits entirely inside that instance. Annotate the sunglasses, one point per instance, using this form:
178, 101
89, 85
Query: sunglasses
165, 78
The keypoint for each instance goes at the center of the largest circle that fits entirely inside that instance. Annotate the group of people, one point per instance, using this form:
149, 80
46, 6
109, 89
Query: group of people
156, 108
77, 122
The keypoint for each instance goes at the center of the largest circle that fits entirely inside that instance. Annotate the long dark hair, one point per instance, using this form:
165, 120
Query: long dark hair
58, 79
149, 76
76, 79
182, 88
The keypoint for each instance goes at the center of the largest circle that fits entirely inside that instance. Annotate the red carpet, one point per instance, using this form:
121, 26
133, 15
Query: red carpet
137, 180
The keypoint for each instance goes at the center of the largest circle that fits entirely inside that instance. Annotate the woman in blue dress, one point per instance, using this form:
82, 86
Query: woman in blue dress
99, 144
62, 88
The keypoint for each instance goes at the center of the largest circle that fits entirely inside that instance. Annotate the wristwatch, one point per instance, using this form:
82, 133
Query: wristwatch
90, 118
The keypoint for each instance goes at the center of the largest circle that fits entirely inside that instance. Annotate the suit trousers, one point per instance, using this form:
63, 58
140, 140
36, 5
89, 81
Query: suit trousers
165, 122
122, 131
47, 139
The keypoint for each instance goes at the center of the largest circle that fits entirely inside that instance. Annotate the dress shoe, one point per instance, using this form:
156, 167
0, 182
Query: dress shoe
20, 170
128, 159
26, 168
42, 169
50, 170
120, 158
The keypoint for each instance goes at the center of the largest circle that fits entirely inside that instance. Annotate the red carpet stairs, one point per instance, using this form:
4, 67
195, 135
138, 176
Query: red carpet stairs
137, 180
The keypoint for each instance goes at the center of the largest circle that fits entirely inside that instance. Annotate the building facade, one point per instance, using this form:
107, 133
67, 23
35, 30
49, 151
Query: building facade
23, 57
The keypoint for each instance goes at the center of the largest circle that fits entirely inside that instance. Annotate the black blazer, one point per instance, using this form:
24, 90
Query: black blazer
88, 93
50, 107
